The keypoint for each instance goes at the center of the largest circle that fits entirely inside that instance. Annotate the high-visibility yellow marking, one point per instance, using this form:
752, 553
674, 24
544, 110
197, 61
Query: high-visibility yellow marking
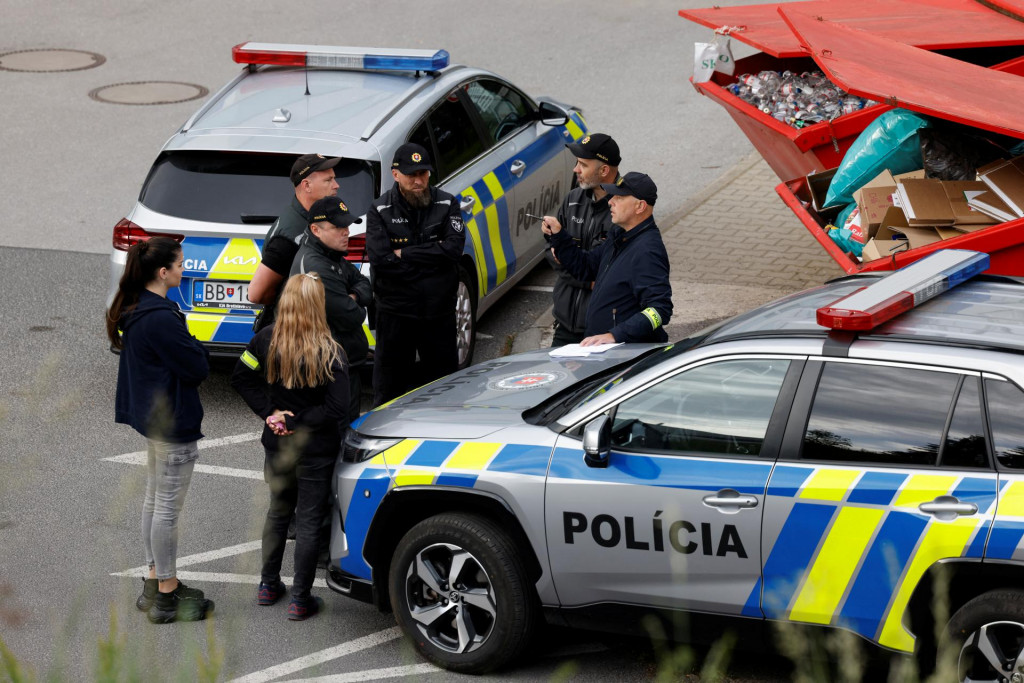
250, 361
397, 454
478, 252
238, 261
574, 130
472, 456
494, 230
579, 115
369, 335
491, 181
203, 326
477, 206
652, 315
833, 568
942, 540
415, 477
922, 488
1011, 504
829, 484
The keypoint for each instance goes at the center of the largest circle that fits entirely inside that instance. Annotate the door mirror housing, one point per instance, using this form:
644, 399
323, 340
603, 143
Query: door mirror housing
551, 114
597, 441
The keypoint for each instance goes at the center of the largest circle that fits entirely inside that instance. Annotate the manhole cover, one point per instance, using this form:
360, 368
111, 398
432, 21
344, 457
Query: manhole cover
49, 60
148, 92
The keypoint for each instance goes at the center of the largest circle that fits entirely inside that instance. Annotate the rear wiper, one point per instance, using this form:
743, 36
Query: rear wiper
257, 218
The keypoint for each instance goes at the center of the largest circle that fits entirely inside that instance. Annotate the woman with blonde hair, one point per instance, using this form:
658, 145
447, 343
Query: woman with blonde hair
295, 377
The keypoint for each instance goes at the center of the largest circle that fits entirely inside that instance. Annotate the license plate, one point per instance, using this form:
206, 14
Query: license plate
221, 294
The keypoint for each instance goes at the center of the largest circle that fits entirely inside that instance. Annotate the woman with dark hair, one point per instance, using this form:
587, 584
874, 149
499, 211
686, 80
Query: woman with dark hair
295, 377
159, 372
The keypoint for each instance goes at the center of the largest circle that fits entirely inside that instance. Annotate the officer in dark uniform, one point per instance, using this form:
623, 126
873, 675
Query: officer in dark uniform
584, 215
414, 239
313, 178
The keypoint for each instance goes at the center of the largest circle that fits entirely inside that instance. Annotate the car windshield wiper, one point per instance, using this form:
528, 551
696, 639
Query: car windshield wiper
257, 218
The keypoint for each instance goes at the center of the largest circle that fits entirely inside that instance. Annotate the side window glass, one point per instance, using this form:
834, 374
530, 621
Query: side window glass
421, 136
965, 441
455, 136
502, 109
879, 414
1005, 411
721, 408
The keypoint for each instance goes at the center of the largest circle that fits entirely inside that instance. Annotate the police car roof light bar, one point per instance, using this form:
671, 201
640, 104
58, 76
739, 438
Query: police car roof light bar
384, 59
908, 287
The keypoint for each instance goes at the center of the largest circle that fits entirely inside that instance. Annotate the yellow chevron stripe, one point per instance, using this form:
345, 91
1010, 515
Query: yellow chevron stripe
397, 454
246, 256
472, 456
415, 477
833, 568
369, 335
1011, 503
574, 130
942, 540
491, 181
203, 326
494, 230
828, 484
922, 488
478, 253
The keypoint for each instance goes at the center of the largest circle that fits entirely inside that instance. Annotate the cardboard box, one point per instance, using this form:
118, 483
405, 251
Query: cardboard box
924, 202
963, 213
875, 198
894, 234
817, 184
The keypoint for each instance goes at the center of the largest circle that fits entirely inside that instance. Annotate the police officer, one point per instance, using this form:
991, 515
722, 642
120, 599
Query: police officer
414, 239
585, 216
632, 297
347, 291
313, 178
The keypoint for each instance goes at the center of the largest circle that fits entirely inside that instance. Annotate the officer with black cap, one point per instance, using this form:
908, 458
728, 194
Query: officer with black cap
584, 215
632, 297
313, 178
414, 239
347, 292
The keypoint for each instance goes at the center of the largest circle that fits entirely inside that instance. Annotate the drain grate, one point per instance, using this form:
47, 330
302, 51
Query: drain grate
49, 60
148, 92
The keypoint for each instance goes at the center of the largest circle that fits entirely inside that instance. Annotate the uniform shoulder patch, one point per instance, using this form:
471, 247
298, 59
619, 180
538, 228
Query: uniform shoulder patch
457, 223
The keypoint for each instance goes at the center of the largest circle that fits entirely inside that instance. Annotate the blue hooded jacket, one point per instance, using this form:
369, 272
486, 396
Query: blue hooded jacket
161, 367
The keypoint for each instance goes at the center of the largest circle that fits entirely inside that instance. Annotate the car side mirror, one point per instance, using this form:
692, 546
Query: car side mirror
597, 441
552, 115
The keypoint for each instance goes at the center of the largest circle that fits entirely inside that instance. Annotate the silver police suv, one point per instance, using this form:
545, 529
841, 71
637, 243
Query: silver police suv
816, 460
221, 180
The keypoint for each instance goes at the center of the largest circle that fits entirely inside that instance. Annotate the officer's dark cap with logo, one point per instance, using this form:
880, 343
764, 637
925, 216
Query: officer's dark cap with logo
332, 210
411, 158
634, 184
596, 146
311, 163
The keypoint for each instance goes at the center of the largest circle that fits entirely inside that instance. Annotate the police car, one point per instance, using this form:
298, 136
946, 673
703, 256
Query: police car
816, 460
221, 180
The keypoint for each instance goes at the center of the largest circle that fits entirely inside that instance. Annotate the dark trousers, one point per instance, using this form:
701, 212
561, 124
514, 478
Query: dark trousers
398, 340
564, 336
355, 390
302, 485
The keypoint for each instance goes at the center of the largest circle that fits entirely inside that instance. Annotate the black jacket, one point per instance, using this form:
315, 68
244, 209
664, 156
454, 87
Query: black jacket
319, 411
587, 222
340, 278
159, 372
424, 281
279, 249
632, 295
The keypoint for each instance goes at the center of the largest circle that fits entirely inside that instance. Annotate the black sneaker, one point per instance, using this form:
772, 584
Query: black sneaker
300, 611
149, 588
181, 604
270, 593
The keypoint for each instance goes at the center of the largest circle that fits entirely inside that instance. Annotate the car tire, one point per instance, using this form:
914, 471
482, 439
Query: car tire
429, 597
465, 319
989, 632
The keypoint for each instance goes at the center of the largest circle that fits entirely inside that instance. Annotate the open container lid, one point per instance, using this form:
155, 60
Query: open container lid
927, 24
872, 66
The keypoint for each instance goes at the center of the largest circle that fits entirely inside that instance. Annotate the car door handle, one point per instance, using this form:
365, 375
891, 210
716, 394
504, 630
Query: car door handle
467, 203
730, 501
517, 167
947, 508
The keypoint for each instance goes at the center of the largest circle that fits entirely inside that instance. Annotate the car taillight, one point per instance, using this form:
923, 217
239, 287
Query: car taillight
356, 248
127, 233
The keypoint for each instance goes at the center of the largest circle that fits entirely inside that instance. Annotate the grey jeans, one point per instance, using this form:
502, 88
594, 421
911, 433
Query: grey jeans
168, 474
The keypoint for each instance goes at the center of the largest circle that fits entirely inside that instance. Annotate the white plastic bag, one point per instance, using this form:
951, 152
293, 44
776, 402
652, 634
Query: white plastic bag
711, 57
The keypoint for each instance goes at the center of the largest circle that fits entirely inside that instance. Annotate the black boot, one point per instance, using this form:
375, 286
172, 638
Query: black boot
181, 604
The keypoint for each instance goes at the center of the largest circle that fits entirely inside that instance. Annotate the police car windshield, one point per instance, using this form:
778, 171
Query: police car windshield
228, 187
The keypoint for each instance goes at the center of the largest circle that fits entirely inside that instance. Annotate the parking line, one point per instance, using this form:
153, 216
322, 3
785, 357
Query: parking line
203, 445
536, 288
374, 674
199, 558
140, 459
224, 577
274, 672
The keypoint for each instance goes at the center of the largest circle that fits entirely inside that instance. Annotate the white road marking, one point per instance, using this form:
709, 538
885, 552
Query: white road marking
316, 658
374, 674
481, 335
199, 558
536, 288
222, 577
139, 457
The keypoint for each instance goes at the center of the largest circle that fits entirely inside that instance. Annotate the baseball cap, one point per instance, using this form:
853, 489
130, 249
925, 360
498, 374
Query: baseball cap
596, 146
411, 158
332, 210
311, 163
634, 184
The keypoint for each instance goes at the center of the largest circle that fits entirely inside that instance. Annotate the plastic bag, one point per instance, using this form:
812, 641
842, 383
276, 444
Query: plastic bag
849, 235
952, 154
711, 57
889, 142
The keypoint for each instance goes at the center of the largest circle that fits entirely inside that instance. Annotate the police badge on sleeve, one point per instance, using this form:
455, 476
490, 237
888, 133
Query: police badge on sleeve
457, 223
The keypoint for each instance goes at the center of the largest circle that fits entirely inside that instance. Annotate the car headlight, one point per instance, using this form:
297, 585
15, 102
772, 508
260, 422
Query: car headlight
359, 448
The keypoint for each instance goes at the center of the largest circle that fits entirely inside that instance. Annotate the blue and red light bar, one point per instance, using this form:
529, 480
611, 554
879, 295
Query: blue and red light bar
383, 59
908, 287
